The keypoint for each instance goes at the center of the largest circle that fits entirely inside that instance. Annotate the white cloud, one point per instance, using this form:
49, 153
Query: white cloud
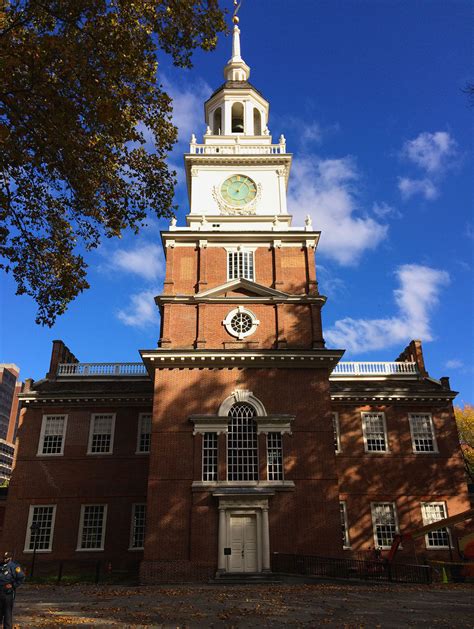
417, 295
145, 260
188, 113
384, 210
430, 151
142, 310
454, 364
409, 187
326, 188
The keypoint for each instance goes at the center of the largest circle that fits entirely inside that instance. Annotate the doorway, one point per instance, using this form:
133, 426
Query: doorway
243, 542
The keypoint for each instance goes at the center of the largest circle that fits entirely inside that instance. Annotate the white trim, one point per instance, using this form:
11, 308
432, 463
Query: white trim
28, 529
433, 436
134, 505
42, 435
242, 251
241, 395
240, 310
81, 525
395, 517
337, 431
139, 432
347, 540
425, 522
91, 434
387, 448
282, 459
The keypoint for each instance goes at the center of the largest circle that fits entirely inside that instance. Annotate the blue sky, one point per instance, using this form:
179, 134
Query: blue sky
368, 95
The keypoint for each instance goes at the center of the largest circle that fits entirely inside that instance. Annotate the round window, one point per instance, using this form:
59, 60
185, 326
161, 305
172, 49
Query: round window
241, 322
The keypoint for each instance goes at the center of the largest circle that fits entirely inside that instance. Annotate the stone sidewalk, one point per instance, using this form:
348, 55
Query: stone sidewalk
278, 605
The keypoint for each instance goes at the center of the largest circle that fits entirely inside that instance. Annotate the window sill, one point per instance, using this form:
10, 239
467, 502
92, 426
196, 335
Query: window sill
141, 549
43, 550
144, 453
47, 455
99, 453
286, 485
89, 550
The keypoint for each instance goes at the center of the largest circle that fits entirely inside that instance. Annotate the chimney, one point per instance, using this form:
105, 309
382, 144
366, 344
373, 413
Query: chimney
59, 354
445, 383
413, 352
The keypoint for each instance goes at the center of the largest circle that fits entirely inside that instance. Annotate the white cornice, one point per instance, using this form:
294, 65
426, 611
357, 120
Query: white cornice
263, 238
242, 283
249, 359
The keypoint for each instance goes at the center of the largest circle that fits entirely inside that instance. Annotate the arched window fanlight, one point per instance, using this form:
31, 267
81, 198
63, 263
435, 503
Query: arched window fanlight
242, 443
237, 118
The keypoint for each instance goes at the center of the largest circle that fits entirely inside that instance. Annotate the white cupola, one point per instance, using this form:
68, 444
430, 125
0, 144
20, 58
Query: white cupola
237, 108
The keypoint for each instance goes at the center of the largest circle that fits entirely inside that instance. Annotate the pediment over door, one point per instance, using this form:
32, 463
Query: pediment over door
241, 288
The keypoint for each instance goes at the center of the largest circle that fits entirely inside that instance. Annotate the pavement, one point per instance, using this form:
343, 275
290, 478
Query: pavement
349, 606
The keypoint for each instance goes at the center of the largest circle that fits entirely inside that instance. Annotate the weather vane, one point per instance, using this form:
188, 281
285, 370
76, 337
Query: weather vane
237, 4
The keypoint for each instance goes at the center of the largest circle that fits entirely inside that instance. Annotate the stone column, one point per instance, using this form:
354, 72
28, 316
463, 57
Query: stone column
281, 172
311, 269
266, 566
221, 541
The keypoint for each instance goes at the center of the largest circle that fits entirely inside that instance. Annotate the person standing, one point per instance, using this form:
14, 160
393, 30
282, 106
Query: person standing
11, 576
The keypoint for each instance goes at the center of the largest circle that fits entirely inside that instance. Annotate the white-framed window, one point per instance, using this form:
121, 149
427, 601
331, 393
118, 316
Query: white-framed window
101, 433
92, 527
240, 264
385, 524
53, 435
241, 322
337, 434
344, 526
209, 456
138, 527
42, 517
432, 512
274, 456
422, 432
144, 433
242, 443
375, 432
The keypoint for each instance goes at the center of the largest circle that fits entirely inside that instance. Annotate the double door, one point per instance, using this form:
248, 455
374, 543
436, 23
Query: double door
243, 543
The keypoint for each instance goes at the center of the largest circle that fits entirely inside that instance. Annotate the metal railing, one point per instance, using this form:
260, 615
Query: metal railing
374, 369
102, 369
376, 570
237, 149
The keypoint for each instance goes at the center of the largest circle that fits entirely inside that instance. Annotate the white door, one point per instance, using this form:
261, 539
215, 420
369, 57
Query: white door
243, 542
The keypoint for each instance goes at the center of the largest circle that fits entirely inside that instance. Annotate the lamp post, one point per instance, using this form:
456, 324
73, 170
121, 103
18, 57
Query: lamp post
34, 528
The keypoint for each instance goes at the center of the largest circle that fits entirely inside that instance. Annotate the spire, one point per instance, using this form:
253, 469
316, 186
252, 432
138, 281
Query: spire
236, 68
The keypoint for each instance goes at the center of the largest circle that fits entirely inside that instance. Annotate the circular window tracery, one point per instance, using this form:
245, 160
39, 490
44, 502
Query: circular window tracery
241, 322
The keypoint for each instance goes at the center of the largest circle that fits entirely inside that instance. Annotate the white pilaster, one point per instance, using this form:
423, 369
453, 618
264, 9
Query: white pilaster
265, 541
221, 541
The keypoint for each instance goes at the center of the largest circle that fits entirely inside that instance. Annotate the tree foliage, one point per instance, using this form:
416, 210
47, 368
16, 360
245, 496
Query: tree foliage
78, 89
465, 423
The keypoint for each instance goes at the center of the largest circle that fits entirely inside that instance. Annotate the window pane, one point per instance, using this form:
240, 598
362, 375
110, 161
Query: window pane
42, 516
102, 433
209, 456
344, 531
383, 515
242, 443
422, 432
138, 526
432, 512
374, 429
240, 264
92, 526
274, 456
144, 434
53, 434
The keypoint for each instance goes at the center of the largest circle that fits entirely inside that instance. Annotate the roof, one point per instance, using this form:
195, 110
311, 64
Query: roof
235, 85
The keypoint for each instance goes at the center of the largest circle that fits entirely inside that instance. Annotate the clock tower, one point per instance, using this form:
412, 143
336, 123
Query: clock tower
242, 460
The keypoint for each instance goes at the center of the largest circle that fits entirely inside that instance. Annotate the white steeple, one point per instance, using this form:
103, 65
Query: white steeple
236, 68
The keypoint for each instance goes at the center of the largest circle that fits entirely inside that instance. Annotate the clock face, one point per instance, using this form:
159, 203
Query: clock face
238, 190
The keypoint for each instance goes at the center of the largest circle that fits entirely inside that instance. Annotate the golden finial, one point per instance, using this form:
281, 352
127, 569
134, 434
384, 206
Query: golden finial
237, 4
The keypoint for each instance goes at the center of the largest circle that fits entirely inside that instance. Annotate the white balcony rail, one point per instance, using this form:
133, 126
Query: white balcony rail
101, 369
344, 369
237, 149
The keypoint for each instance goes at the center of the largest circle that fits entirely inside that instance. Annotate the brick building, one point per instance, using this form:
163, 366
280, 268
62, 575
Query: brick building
241, 434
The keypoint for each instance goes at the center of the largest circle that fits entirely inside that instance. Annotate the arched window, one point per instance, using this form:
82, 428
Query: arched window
242, 443
237, 118
217, 122
257, 122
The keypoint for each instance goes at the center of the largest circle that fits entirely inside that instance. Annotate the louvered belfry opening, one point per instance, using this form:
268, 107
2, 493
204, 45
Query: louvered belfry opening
242, 443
